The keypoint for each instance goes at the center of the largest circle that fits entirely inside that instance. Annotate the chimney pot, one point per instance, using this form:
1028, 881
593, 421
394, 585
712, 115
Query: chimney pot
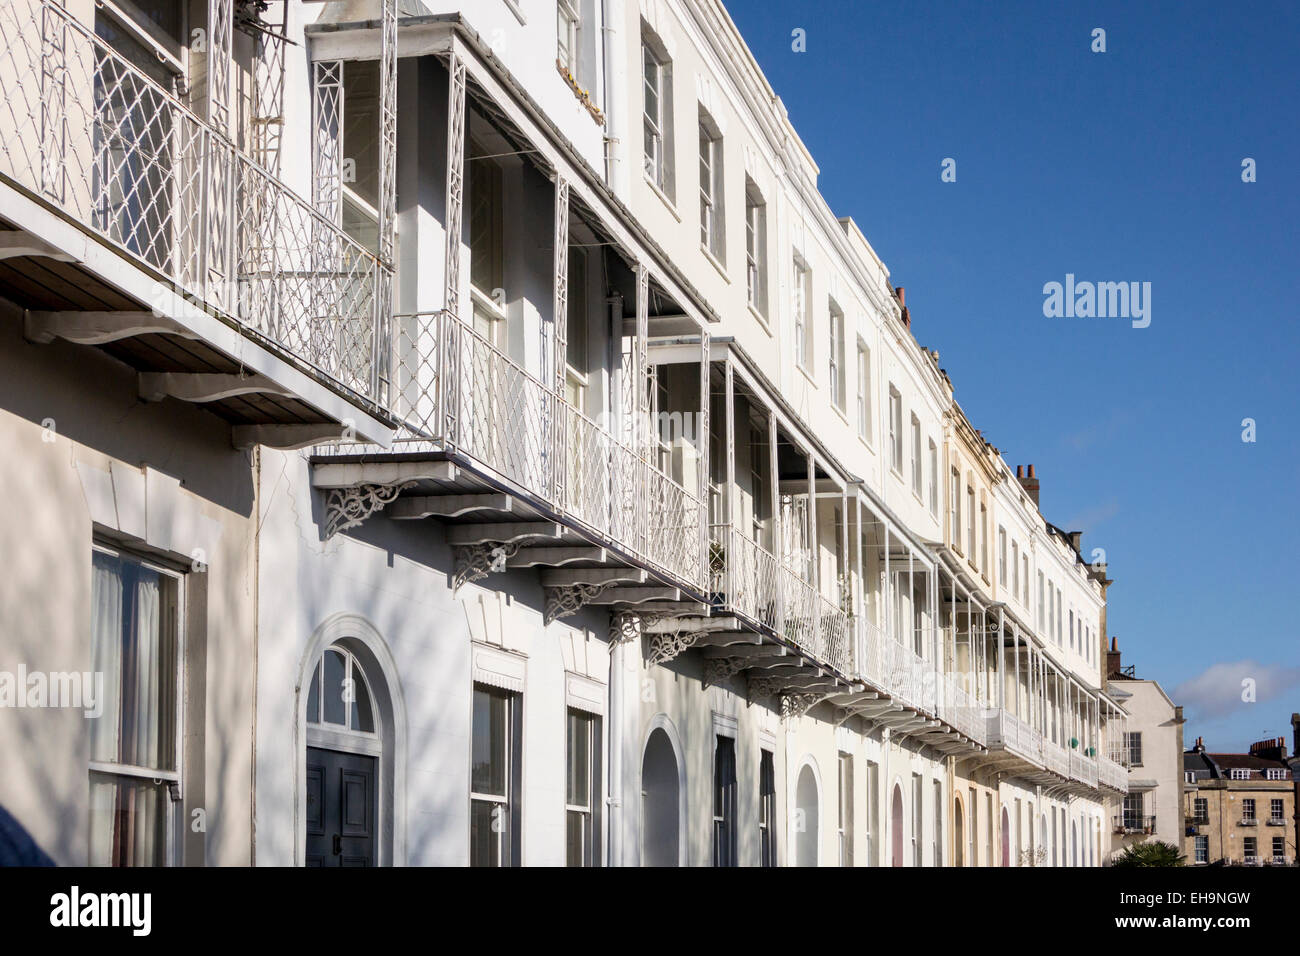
1020, 471
902, 300
1031, 472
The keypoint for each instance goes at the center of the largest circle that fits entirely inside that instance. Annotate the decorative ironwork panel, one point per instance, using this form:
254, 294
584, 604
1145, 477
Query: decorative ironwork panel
455, 177
135, 165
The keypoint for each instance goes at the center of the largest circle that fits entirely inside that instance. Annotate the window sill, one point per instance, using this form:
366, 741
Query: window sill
867, 443
716, 263
806, 374
582, 96
761, 319
663, 197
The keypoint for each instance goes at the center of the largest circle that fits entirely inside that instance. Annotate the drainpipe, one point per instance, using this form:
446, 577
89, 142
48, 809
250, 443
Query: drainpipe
615, 70
614, 801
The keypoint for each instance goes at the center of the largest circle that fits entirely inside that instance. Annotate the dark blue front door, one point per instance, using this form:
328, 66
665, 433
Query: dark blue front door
340, 808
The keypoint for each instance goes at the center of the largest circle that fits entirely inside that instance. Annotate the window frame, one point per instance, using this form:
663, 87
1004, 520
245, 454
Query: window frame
767, 808
712, 193
864, 391
934, 478
844, 809
174, 848
725, 800
656, 129
508, 837
755, 248
801, 289
568, 20
592, 811
895, 430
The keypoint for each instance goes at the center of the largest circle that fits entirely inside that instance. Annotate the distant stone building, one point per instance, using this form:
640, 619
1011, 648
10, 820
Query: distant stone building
1239, 808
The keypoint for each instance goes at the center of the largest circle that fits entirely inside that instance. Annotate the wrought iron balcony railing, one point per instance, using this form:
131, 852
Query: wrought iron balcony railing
1056, 758
88, 133
1111, 774
1009, 732
1083, 769
455, 391
747, 579
1127, 822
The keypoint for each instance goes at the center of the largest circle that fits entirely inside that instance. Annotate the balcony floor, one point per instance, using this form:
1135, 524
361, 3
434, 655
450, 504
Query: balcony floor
48, 284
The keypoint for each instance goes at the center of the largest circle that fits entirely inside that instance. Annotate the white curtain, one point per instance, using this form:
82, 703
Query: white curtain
133, 645
106, 652
147, 715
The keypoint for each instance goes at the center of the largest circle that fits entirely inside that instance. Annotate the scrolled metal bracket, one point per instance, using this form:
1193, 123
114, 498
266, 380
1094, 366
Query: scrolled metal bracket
718, 669
665, 647
348, 507
796, 705
565, 601
477, 561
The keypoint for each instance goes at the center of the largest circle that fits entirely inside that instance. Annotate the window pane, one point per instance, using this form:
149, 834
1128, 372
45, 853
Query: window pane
313, 696
133, 644
335, 707
491, 738
579, 783
488, 825
362, 715
128, 821
575, 838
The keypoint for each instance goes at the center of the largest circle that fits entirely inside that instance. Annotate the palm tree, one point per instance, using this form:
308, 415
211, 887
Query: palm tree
1155, 853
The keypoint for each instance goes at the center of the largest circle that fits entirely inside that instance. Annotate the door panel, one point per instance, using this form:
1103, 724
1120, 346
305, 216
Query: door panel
341, 808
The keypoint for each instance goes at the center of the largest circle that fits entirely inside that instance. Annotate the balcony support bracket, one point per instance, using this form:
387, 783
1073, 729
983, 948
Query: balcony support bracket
477, 561
15, 243
200, 387
98, 328
347, 507
569, 599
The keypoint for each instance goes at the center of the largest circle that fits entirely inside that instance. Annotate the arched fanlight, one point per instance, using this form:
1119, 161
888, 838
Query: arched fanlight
339, 695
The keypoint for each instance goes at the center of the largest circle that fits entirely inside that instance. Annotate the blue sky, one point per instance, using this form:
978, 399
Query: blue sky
1115, 166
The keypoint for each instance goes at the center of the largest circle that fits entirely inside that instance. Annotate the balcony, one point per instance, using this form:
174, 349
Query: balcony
1014, 738
1248, 822
1275, 822
1129, 823
131, 224
483, 442
748, 581
1083, 770
1110, 774
1056, 758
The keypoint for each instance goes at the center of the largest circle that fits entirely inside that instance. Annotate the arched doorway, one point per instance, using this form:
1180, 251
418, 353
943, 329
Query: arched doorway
896, 825
807, 801
958, 828
343, 761
660, 802
351, 724
1006, 838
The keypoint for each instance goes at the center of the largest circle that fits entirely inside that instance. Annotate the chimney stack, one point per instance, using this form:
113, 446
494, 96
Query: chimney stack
1272, 749
1076, 540
1113, 658
1030, 483
1295, 728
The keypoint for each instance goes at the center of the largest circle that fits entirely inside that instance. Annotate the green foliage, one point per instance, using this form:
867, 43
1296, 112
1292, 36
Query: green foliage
1155, 853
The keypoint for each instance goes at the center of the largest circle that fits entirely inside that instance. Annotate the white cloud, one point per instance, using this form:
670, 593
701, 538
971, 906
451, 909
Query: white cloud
1219, 690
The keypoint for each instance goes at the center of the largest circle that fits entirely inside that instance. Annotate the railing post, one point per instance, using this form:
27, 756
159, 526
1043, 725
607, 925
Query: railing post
559, 334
